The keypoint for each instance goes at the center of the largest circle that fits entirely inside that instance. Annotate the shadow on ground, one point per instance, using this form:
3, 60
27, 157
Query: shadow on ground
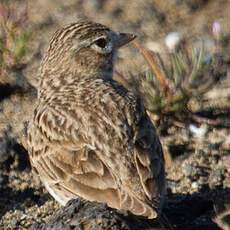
188, 212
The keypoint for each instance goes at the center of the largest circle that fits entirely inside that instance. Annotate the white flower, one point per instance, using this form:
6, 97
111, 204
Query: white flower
172, 40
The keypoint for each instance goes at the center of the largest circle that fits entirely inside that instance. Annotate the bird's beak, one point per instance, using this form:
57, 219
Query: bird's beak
123, 39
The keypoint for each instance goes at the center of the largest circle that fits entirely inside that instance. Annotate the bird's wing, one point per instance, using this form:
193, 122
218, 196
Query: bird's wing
65, 160
149, 160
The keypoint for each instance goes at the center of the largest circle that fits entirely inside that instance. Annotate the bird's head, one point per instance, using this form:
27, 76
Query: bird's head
82, 49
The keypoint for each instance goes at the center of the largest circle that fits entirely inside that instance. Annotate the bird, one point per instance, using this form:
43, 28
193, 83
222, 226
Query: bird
89, 136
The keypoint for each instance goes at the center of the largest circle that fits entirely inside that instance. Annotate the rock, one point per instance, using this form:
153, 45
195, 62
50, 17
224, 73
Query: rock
188, 170
226, 182
216, 178
80, 214
195, 185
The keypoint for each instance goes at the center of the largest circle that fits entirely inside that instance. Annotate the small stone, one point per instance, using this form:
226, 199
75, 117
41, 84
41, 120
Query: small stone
198, 132
195, 185
226, 183
216, 178
172, 185
187, 170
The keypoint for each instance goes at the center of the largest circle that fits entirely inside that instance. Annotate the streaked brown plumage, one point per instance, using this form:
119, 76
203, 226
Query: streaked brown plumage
90, 137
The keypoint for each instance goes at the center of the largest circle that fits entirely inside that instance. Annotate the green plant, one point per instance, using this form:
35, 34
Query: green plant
14, 37
169, 86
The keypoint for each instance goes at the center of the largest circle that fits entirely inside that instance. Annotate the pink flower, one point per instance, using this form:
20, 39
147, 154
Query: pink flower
216, 29
3, 12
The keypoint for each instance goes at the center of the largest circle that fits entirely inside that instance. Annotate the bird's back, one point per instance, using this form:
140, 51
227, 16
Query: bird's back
96, 133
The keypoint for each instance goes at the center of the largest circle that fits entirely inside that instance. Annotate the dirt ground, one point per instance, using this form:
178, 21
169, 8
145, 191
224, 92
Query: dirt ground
198, 166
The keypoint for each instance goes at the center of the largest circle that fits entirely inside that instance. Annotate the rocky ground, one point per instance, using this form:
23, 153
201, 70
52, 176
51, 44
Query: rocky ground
198, 162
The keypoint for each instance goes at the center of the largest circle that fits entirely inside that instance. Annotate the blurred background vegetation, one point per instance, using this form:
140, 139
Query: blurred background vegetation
184, 43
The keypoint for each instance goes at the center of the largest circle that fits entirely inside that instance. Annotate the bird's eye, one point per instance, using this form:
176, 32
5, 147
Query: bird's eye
101, 43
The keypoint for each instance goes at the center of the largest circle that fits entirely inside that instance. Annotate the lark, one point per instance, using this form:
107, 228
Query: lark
89, 136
